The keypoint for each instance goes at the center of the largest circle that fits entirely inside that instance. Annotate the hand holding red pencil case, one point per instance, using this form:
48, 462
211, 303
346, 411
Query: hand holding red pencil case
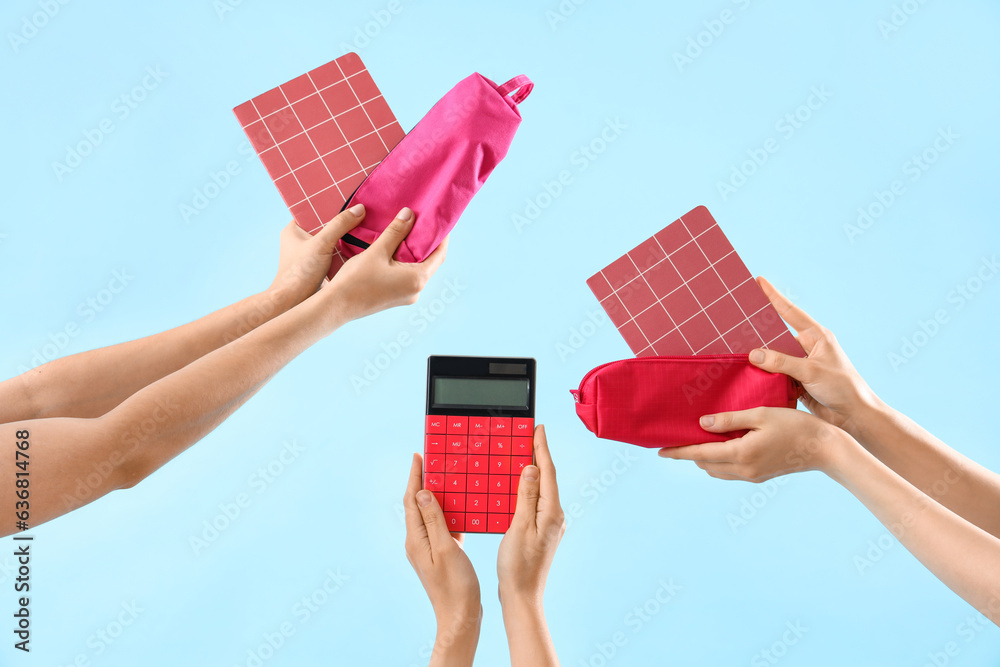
658, 401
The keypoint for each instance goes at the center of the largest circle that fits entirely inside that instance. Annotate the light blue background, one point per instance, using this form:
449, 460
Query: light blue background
337, 506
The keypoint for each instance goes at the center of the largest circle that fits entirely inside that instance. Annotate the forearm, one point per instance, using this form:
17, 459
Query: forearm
457, 639
960, 554
954, 480
528, 633
92, 383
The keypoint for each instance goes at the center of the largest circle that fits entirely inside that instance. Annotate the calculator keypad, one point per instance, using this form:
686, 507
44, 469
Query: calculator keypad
473, 465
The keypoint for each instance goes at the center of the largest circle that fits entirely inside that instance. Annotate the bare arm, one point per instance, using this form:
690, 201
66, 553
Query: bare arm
92, 383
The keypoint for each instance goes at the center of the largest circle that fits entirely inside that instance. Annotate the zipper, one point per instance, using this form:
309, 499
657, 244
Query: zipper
692, 358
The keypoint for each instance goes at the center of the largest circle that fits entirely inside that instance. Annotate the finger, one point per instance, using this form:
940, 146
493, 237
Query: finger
388, 242
436, 258
788, 310
437, 529
548, 488
342, 223
722, 475
778, 362
527, 496
709, 452
723, 422
414, 522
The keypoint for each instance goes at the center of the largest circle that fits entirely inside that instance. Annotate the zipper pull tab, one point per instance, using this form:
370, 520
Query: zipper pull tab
576, 394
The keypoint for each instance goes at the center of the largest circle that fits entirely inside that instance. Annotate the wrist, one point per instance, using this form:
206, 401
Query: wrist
842, 458
458, 630
521, 603
863, 419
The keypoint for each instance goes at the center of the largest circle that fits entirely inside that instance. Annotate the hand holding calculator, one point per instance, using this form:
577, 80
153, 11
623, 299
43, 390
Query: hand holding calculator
478, 438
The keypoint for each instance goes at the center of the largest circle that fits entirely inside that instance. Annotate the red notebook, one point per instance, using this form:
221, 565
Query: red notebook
685, 291
319, 135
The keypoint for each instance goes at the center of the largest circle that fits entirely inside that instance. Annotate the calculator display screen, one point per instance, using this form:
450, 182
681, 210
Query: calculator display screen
496, 392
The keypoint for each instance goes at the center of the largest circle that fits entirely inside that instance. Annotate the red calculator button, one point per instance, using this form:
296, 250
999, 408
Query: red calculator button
454, 502
456, 444
513, 504
517, 464
475, 522
434, 463
458, 425
477, 483
523, 426
500, 465
499, 503
479, 444
454, 483
435, 424
500, 445
440, 498
499, 483
434, 443
521, 446
479, 425
475, 502
499, 523
478, 464
455, 521
455, 463
500, 426
434, 481
515, 480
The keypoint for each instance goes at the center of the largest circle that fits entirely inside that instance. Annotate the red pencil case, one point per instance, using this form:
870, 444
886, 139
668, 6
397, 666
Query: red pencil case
657, 401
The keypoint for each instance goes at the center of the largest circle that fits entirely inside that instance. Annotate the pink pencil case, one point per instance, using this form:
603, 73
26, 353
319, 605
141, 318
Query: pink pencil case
439, 165
658, 401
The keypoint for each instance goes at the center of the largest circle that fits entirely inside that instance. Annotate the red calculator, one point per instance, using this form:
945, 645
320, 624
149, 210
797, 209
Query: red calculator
478, 438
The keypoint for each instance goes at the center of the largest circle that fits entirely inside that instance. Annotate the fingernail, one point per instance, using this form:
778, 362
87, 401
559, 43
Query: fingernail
707, 420
405, 215
357, 210
757, 356
423, 498
530, 473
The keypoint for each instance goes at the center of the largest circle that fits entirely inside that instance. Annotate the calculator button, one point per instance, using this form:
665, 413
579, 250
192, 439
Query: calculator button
500, 426
434, 481
479, 444
434, 443
477, 483
475, 502
499, 483
500, 445
499, 523
456, 444
479, 425
455, 521
454, 502
522, 426
434, 463
455, 463
478, 464
515, 480
440, 498
513, 504
499, 503
475, 523
499, 465
454, 483
435, 424
521, 446
458, 425
517, 464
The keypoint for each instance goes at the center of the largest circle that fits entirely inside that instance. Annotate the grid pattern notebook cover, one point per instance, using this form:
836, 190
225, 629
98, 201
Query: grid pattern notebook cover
685, 291
319, 135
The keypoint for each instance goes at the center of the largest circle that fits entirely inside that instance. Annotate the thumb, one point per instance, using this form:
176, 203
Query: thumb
527, 495
327, 237
433, 517
777, 362
388, 242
